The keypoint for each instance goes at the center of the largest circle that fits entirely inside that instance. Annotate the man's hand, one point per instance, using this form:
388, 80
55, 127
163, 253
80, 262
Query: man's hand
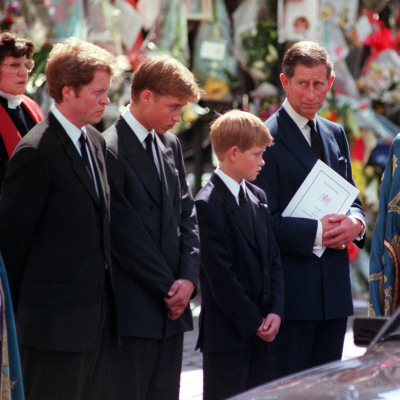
269, 327
178, 297
339, 230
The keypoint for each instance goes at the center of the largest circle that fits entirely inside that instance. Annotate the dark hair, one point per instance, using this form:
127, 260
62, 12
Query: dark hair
13, 46
164, 75
74, 63
309, 54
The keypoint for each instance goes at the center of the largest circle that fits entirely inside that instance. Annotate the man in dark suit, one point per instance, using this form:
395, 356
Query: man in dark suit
154, 239
54, 233
318, 296
241, 274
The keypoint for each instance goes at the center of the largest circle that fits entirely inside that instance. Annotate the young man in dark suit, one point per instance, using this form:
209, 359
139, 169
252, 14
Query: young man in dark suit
241, 275
318, 296
154, 237
54, 233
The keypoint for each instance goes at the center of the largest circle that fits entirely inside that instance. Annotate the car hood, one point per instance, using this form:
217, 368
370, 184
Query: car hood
375, 375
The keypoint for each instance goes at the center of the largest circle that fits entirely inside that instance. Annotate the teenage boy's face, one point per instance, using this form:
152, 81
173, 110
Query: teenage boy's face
249, 163
162, 112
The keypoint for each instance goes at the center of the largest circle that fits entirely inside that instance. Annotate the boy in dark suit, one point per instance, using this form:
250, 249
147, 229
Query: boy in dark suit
154, 238
241, 275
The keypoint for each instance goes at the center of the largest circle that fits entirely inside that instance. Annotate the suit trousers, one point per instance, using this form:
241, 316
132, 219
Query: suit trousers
307, 344
60, 375
147, 369
228, 373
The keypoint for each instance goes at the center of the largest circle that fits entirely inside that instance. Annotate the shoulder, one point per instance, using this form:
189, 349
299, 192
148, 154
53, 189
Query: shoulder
205, 192
38, 136
110, 136
169, 139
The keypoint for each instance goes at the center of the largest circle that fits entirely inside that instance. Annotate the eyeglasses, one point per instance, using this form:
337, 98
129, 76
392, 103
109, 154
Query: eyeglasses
16, 66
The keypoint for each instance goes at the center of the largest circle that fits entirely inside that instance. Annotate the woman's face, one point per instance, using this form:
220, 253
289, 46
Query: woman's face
14, 73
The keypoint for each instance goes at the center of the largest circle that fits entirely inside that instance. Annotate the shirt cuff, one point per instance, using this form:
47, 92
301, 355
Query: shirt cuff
318, 237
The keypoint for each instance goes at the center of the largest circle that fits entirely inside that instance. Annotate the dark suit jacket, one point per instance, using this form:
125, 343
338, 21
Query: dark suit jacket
154, 235
54, 236
241, 275
315, 288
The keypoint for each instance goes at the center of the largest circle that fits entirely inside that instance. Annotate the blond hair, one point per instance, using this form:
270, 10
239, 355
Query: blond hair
238, 128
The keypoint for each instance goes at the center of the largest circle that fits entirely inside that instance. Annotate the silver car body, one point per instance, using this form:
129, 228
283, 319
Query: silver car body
375, 375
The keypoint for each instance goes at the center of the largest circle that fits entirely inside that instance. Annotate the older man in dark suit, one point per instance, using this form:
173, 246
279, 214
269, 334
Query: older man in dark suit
154, 237
54, 233
318, 296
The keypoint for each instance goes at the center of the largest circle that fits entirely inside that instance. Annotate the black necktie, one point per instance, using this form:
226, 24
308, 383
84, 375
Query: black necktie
316, 142
149, 149
85, 158
246, 209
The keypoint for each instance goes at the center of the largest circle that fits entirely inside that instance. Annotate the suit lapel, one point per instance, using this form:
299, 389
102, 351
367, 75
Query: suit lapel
259, 222
72, 152
168, 172
294, 140
329, 144
98, 167
138, 159
230, 200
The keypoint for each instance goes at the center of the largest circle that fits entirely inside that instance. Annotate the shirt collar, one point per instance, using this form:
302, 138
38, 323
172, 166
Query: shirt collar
298, 119
13, 101
72, 131
140, 131
231, 184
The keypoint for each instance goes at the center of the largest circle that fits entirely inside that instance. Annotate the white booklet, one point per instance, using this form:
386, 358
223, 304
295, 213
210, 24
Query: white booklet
323, 192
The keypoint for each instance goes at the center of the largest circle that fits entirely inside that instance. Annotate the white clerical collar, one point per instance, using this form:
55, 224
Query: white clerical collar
140, 131
298, 119
13, 101
231, 184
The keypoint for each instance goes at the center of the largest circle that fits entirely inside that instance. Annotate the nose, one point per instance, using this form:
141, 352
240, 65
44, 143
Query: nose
105, 99
176, 116
23, 71
310, 91
262, 162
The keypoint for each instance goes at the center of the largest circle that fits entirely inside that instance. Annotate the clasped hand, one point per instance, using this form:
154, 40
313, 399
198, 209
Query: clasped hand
178, 297
269, 327
339, 230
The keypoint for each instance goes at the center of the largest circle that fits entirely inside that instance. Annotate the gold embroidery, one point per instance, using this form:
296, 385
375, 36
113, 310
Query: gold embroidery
371, 311
392, 206
394, 163
392, 294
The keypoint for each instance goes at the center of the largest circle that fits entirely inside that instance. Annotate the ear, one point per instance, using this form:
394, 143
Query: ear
332, 78
231, 153
146, 96
285, 81
68, 91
